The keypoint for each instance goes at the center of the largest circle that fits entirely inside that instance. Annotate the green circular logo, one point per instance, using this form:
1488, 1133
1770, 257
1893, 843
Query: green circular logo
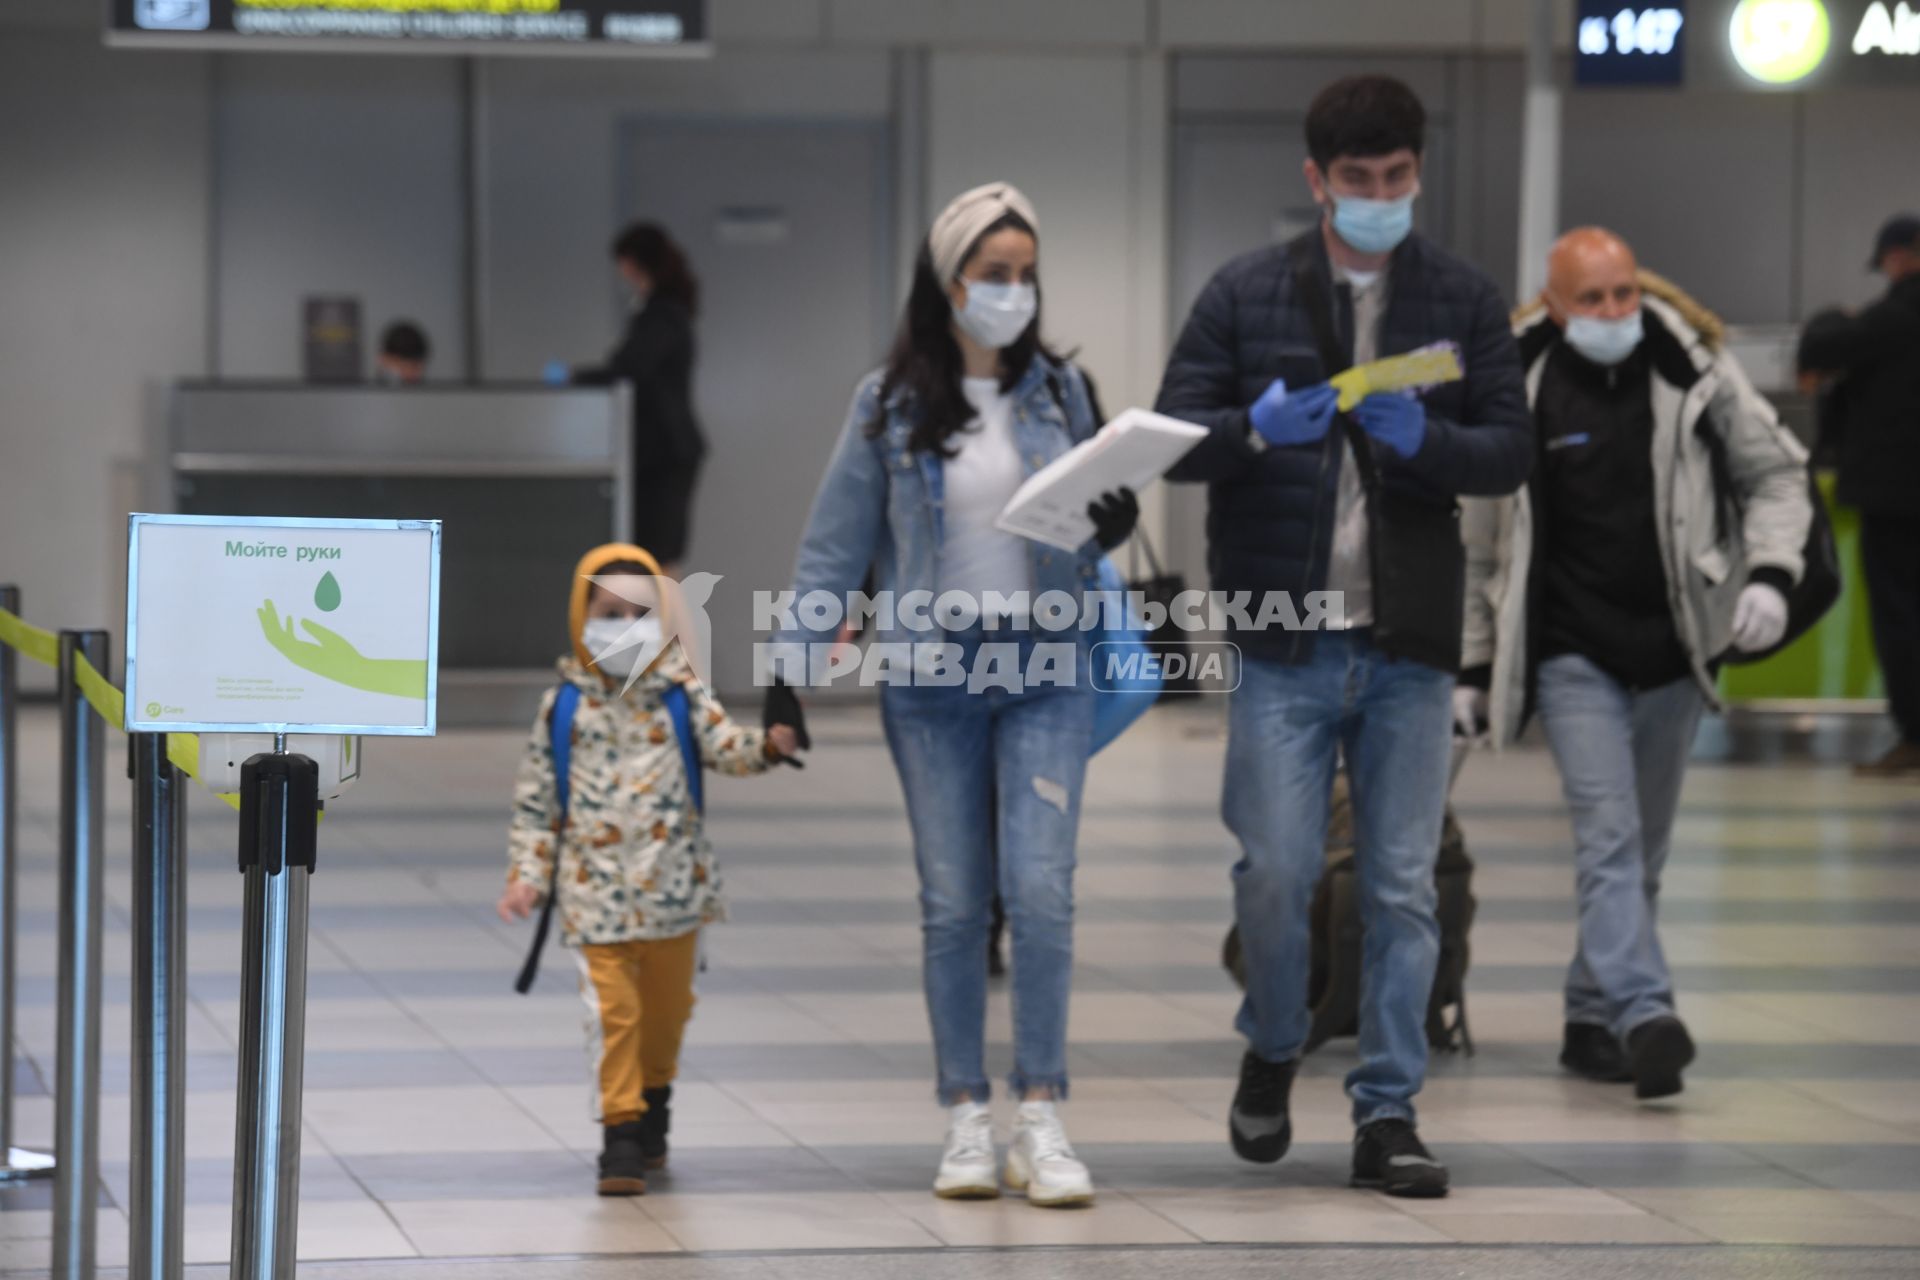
153, 710
1780, 41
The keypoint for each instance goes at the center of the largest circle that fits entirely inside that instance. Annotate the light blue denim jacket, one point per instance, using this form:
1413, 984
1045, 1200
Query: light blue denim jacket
881, 503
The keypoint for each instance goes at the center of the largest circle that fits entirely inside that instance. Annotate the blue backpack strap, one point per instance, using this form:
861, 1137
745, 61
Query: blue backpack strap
560, 737
677, 707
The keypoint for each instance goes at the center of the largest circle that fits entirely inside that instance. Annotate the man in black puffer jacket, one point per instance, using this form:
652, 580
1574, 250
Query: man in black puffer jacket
1876, 355
1303, 498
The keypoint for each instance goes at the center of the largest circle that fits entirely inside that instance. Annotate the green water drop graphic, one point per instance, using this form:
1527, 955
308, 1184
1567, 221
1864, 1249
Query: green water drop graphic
327, 594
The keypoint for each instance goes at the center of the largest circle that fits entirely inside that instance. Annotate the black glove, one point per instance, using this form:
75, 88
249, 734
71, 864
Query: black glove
1114, 514
782, 706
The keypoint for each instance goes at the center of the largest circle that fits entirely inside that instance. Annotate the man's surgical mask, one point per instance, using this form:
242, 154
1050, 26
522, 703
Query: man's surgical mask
1373, 226
619, 644
1605, 342
997, 314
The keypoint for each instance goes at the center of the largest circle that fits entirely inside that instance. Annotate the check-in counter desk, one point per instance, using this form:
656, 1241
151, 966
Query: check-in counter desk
525, 478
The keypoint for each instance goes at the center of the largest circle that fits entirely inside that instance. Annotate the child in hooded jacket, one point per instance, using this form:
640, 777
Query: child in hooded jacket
635, 875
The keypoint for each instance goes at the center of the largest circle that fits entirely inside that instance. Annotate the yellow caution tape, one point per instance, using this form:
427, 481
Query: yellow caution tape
1427, 367
183, 749
42, 646
99, 692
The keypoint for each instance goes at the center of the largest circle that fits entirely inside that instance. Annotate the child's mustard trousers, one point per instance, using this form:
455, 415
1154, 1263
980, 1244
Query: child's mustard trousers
639, 996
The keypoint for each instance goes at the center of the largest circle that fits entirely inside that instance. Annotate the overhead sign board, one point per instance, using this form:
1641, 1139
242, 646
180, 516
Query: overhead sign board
1790, 45
422, 26
240, 625
1638, 44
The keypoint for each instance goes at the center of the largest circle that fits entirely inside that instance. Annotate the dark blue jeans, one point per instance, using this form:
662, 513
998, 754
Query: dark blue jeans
1392, 719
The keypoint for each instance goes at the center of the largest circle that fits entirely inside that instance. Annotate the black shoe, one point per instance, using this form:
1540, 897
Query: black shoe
1259, 1125
1593, 1052
1657, 1050
623, 1170
1389, 1156
654, 1123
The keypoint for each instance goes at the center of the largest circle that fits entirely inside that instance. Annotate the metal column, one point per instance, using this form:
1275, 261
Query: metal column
1539, 153
279, 799
15, 1163
76, 1126
156, 1208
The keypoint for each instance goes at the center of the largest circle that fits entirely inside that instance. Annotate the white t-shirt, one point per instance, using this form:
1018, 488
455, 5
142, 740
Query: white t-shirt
1349, 567
975, 557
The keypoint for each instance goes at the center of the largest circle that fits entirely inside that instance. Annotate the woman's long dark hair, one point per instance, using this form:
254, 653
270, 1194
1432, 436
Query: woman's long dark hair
925, 361
648, 246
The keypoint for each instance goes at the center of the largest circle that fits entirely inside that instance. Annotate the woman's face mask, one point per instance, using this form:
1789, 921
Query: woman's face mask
995, 315
618, 645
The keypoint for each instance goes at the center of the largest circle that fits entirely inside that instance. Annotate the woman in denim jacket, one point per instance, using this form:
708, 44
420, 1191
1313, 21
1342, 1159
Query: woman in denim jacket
969, 405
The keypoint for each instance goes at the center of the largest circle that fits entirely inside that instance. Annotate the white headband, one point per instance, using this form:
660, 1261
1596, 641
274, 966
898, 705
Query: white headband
971, 213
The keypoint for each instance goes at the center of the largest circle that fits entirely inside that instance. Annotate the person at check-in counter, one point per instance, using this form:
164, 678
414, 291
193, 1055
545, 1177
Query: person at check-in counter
656, 357
404, 353
1603, 596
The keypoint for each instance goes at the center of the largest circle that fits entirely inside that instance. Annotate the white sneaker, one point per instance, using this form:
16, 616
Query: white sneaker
966, 1167
1041, 1161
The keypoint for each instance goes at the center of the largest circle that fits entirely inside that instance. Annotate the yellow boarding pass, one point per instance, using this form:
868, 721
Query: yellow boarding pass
1427, 367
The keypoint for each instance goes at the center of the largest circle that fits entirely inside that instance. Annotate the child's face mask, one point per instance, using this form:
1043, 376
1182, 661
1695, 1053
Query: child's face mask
619, 645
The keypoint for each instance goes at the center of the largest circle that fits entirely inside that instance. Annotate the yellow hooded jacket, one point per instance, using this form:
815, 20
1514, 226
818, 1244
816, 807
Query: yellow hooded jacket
633, 858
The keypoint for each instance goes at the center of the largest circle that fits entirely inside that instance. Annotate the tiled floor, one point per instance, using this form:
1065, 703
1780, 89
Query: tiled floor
446, 1117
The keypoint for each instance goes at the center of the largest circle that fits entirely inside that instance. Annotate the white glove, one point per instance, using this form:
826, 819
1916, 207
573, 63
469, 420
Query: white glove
1759, 618
1469, 710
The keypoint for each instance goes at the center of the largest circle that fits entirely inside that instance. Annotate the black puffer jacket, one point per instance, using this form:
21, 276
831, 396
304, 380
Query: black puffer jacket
1876, 406
1270, 513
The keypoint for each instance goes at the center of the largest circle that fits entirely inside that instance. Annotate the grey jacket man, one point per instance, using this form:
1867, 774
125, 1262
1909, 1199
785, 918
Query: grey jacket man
1711, 418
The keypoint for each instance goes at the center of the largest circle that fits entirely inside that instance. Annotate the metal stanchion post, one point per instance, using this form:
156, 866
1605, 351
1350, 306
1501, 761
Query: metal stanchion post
279, 813
76, 1095
15, 1163
156, 1208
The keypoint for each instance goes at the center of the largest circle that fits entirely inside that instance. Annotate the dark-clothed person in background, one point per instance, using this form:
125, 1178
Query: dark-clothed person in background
1603, 595
655, 357
404, 352
1303, 499
1874, 409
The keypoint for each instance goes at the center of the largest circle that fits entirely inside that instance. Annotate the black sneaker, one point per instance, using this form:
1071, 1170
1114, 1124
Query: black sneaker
1389, 1156
654, 1123
1260, 1127
1594, 1053
1657, 1050
623, 1169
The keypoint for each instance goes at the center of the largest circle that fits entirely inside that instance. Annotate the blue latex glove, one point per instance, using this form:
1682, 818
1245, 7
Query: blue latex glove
1397, 421
555, 373
1298, 417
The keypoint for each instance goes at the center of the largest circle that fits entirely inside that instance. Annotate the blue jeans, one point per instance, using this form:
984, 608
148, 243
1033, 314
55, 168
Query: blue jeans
1622, 755
992, 782
1392, 718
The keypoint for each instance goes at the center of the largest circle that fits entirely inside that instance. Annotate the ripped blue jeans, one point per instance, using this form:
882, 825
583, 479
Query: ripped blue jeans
992, 781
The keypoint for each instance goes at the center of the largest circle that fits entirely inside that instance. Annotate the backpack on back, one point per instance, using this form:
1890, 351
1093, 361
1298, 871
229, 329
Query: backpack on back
566, 703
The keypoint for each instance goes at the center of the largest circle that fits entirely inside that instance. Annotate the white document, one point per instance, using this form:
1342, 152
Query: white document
1133, 450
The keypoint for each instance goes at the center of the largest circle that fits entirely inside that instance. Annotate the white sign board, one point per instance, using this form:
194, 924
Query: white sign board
242, 625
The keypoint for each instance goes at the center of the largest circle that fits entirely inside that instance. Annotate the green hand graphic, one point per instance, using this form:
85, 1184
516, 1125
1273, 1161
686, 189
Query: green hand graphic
333, 657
